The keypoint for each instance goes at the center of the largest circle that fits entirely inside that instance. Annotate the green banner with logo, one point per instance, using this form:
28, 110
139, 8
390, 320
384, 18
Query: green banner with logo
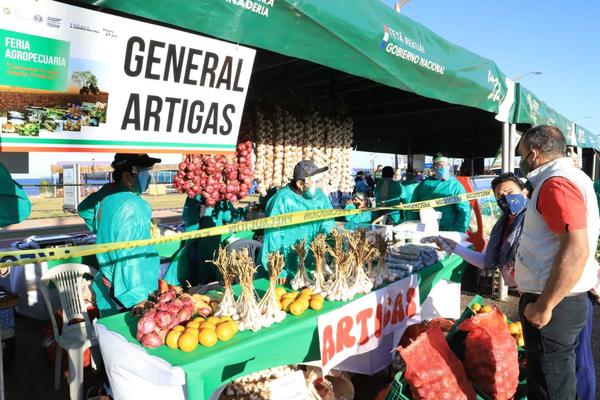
529, 109
363, 38
33, 62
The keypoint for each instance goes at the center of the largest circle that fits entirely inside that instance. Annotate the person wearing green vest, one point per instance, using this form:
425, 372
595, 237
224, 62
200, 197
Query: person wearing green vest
301, 194
16, 206
388, 193
197, 215
117, 213
409, 184
358, 201
455, 217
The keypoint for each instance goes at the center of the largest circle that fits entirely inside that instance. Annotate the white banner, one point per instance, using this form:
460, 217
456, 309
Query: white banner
73, 79
359, 326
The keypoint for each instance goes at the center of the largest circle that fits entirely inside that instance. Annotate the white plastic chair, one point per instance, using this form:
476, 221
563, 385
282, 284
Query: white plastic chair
75, 338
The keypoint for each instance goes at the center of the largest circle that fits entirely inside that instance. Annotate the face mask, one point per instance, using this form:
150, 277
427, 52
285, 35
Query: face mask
309, 192
512, 203
524, 166
442, 173
142, 181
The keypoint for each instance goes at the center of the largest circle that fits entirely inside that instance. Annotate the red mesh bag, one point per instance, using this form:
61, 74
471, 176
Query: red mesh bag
491, 358
433, 371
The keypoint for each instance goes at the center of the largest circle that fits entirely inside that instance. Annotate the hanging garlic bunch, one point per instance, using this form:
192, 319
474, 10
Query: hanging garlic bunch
339, 288
363, 252
250, 316
301, 280
381, 272
261, 150
271, 312
319, 247
278, 148
223, 264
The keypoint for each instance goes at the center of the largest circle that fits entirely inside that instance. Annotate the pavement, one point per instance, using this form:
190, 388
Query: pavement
30, 375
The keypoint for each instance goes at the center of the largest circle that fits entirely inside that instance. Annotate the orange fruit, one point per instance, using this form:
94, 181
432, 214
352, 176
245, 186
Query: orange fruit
207, 337
234, 326
187, 342
279, 291
513, 329
199, 319
317, 297
224, 331
305, 302
214, 320
193, 324
285, 303
208, 325
226, 318
316, 304
475, 307
191, 331
297, 308
486, 309
289, 295
303, 296
179, 328
172, 338
307, 290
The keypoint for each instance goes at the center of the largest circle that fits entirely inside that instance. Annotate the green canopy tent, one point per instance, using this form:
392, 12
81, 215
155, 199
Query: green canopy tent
359, 56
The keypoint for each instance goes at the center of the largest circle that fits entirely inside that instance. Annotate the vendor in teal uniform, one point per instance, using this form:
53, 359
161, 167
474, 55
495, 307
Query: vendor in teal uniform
16, 206
197, 215
118, 213
301, 194
388, 193
455, 217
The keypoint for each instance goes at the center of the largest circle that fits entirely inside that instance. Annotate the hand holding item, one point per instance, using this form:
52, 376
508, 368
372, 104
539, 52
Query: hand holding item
442, 243
537, 316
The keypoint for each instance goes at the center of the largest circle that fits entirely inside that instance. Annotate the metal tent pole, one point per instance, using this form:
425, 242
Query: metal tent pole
512, 143
499, 289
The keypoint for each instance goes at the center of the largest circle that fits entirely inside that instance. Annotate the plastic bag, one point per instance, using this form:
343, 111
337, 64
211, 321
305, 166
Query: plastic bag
491, 357
335, 386
433, 371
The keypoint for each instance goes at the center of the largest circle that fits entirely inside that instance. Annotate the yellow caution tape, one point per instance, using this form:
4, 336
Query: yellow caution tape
22, 257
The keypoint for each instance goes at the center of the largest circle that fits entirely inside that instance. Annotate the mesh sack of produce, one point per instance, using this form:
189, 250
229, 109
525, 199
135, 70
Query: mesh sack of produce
432, 369
491, 358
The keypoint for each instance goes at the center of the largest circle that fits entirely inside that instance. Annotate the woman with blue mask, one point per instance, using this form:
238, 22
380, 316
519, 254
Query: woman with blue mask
455, 217
511, 197
301, 194
118, 213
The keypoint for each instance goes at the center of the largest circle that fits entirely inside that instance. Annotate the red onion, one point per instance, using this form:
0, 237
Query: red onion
151, 340
182, 166
185, 313
163, 319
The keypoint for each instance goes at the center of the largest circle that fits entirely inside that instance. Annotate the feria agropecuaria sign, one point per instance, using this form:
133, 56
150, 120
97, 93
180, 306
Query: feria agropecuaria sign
73, 79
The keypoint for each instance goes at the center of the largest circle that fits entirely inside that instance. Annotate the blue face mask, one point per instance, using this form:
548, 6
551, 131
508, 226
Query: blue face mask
512, 203
442, 173
142, 181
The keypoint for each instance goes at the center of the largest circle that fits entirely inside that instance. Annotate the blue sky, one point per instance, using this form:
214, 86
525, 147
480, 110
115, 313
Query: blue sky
559, 38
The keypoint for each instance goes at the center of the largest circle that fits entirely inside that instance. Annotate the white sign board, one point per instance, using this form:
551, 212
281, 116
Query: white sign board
360, 325
289, 387
74, 79
71, 194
